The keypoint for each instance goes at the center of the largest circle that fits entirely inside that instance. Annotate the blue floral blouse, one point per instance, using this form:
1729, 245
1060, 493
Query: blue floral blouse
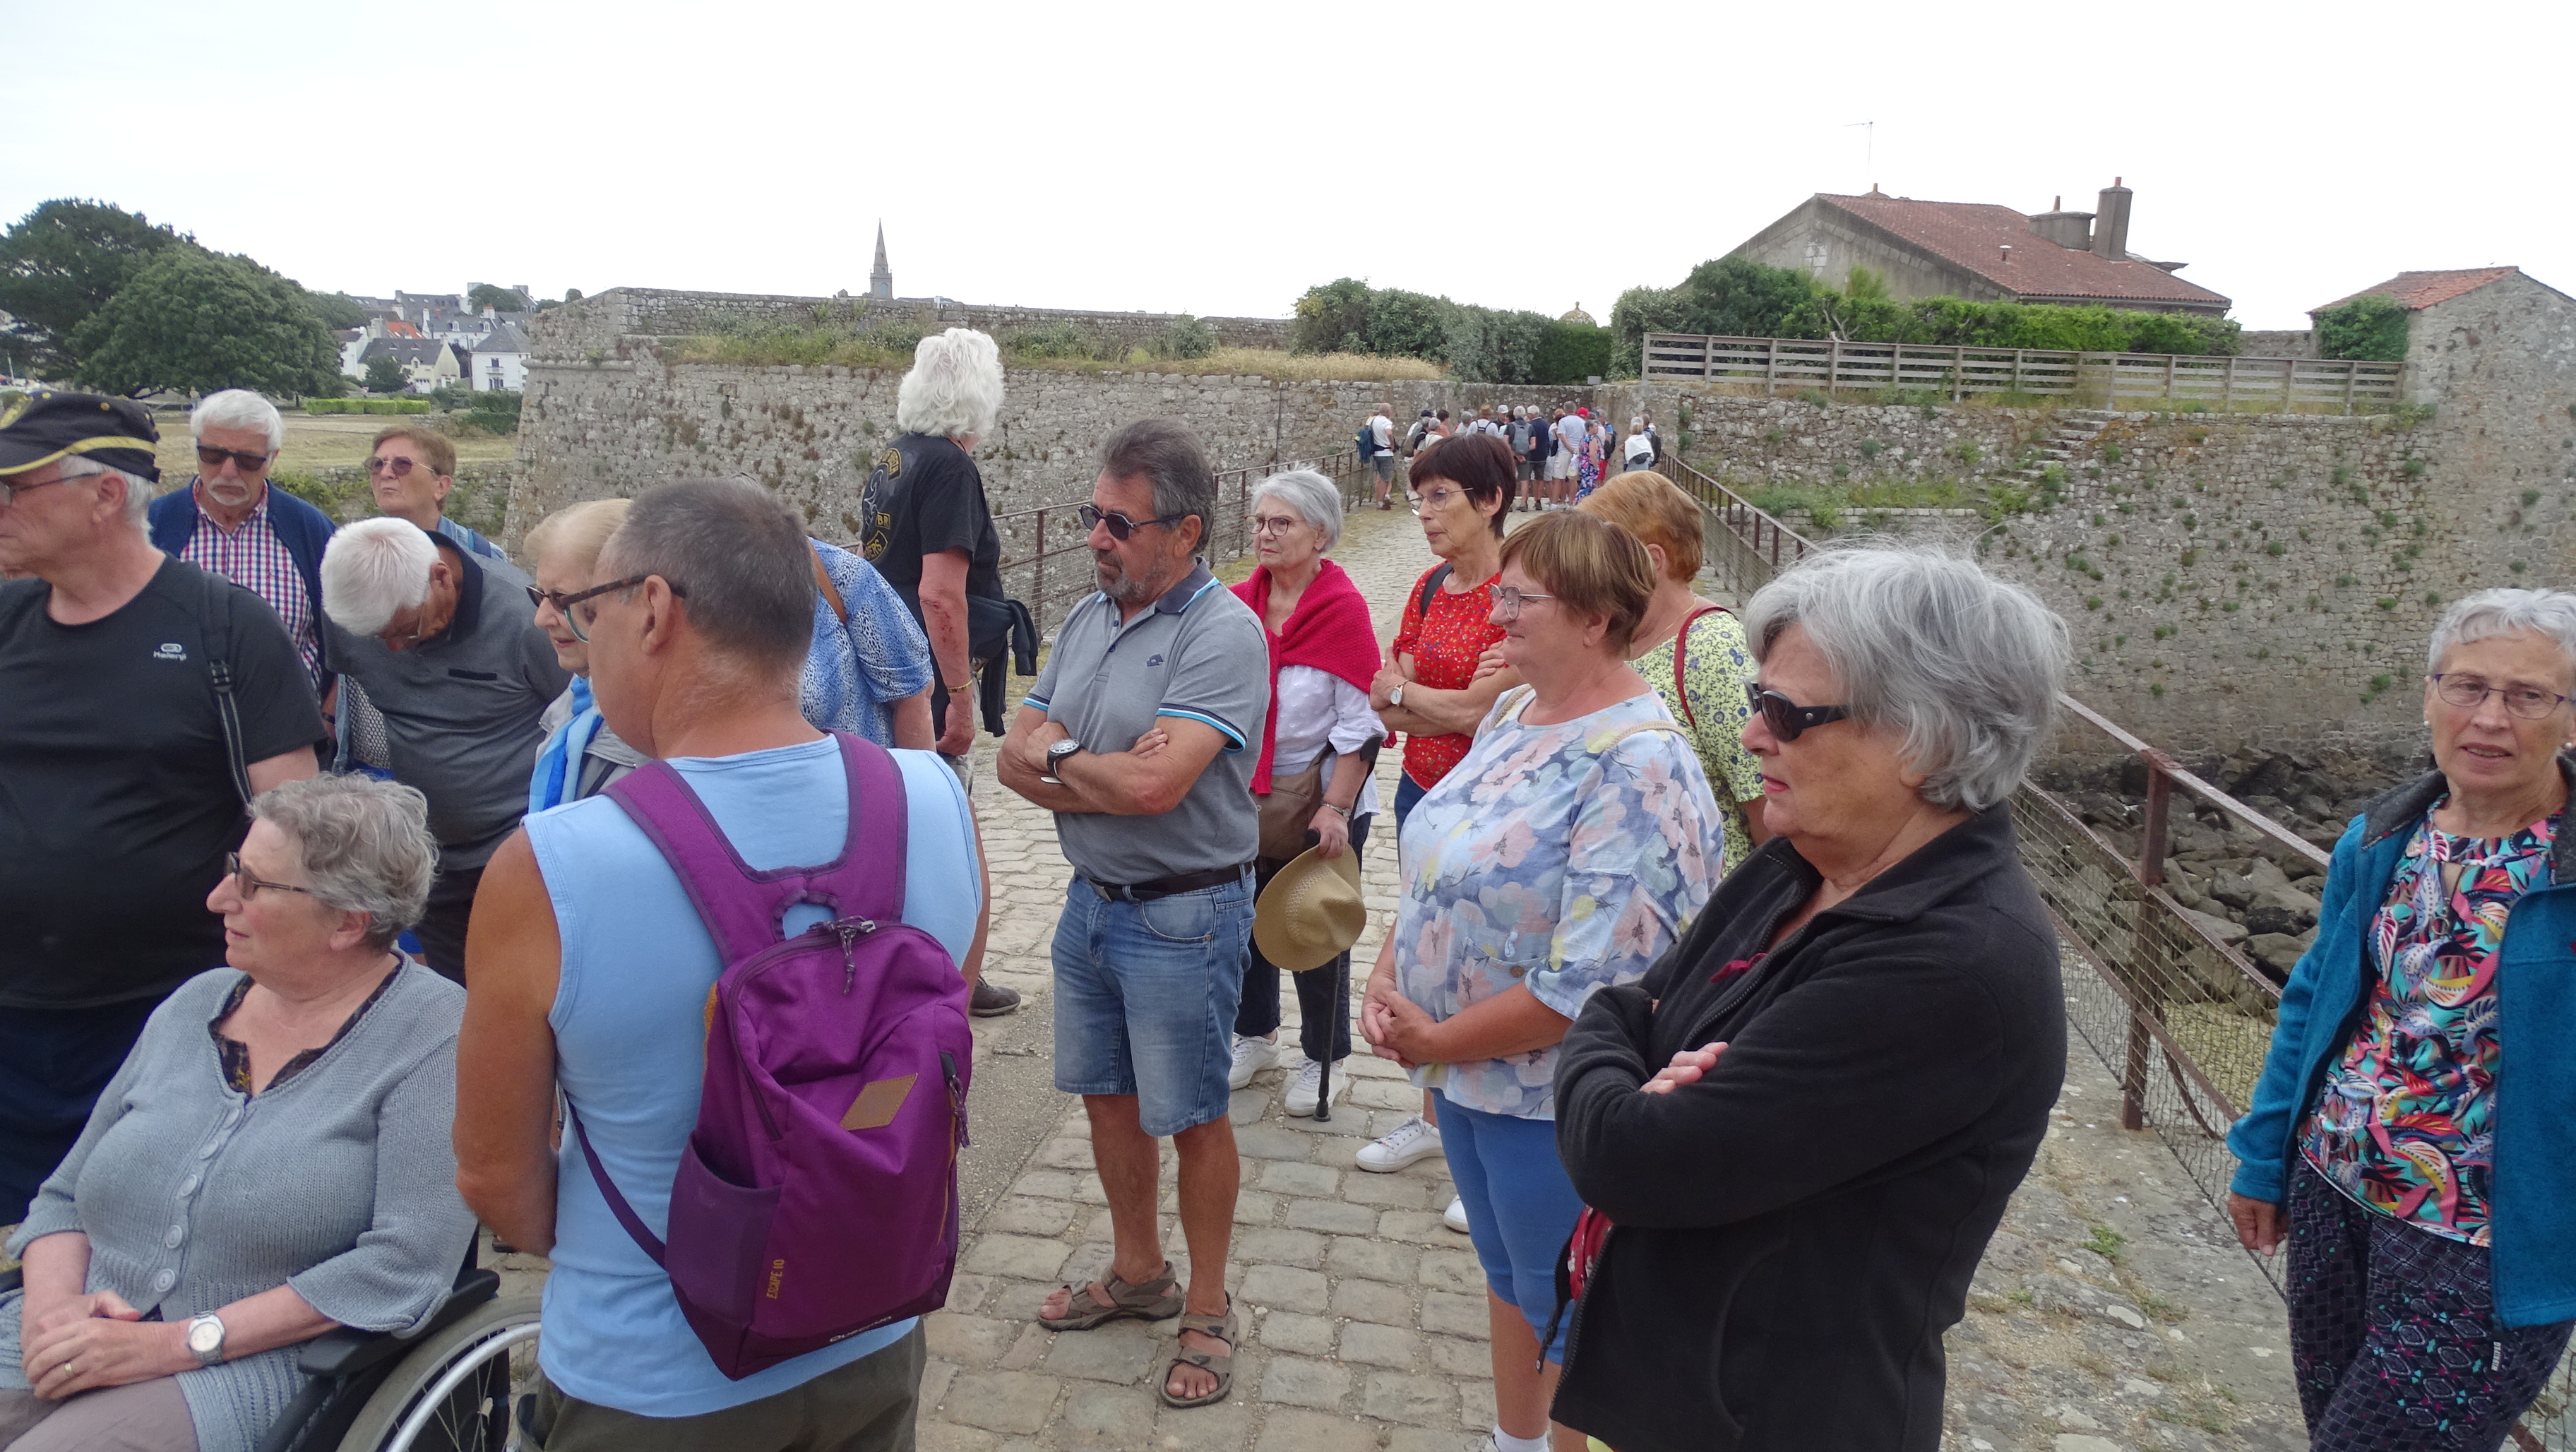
1565, 858
855, 673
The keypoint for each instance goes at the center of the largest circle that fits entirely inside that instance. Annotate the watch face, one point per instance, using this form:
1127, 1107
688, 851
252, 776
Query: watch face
205, 1338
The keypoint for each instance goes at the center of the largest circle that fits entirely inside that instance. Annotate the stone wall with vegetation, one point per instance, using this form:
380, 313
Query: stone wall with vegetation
597, 322
481, 498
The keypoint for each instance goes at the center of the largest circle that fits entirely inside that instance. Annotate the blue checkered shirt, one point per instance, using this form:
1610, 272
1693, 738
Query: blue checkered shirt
254, 558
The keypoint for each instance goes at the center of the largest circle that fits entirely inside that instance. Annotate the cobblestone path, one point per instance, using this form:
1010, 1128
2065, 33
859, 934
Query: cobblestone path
2113, 1313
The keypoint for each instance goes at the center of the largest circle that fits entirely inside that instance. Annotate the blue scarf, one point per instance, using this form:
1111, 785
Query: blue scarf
558, 775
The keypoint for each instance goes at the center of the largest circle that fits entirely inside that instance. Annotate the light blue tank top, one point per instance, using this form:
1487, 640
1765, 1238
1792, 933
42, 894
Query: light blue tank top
630, 1044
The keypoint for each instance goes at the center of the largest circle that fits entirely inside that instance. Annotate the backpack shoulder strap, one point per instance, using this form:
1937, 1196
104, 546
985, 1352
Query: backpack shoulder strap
823, 582
1681, 653
1431, 584
744, 909
215, 633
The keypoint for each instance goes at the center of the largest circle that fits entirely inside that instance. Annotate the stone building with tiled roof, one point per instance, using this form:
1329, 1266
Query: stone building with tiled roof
2495, 335
1980, 251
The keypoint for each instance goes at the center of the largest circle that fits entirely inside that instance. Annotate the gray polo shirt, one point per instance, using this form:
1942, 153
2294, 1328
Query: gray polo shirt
1198, 655
461, 708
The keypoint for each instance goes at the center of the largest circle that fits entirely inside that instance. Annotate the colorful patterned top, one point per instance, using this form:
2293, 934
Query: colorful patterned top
1714, 670
2406, 1125
1445, 648
1562, 858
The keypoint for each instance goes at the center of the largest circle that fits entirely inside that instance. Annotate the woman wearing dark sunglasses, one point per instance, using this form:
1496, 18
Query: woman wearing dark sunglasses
1796, 1135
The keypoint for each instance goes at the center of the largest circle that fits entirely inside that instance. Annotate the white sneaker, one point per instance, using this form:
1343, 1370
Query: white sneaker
1251, 1056
1455, 1217
1410, 1141
1303, 1082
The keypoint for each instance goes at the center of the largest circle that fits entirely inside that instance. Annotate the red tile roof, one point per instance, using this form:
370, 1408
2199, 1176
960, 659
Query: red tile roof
1972, 235
2423, 289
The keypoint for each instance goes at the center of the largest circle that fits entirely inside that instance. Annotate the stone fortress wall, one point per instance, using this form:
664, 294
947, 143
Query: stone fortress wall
2230, 579
598, 322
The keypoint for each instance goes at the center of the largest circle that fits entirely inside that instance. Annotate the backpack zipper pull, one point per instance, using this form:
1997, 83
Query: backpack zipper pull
850, 931
956, 1095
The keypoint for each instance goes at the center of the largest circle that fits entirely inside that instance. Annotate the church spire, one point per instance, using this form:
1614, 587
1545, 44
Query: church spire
881, 277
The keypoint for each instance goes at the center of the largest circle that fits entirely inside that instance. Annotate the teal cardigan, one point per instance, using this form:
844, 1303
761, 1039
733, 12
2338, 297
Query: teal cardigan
2532, 1194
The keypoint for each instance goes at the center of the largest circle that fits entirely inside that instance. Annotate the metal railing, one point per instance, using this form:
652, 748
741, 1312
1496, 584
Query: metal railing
2162, 996
2286, 384
1035, 539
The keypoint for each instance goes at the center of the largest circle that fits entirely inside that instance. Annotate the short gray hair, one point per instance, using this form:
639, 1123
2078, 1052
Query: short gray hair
238, 408
2549, 614
954, 388
1164, 451
738, 559
365, 845
374, 569
138, 490
1965, 666
1312, 496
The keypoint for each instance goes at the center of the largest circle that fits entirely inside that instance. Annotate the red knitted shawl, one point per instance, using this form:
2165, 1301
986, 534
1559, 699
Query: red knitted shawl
1329, 630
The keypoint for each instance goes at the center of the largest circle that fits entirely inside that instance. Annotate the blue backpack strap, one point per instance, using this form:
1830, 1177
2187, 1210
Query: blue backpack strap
743, 908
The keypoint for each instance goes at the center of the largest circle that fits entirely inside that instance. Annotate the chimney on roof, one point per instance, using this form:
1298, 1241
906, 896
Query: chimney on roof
2070, 230
2111, 223
2007, 247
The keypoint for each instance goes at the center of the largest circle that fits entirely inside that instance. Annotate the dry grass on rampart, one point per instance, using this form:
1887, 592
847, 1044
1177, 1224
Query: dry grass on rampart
825, 347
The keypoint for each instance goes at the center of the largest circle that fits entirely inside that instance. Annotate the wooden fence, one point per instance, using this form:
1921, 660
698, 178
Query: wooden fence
2284, 384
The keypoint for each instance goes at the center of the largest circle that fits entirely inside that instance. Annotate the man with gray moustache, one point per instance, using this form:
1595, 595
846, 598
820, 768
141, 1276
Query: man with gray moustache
1135, 737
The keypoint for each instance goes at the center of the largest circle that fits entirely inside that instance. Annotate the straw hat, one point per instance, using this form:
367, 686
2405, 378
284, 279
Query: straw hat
1311, 912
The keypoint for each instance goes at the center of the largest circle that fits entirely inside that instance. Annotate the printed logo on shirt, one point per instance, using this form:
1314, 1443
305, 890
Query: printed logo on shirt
1158, 660
170, 650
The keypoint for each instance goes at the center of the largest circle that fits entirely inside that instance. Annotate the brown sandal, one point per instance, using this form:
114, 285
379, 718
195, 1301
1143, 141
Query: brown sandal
1156, 1300
1224, 1328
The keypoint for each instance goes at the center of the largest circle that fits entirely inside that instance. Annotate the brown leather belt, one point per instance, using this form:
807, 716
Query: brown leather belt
1170, 886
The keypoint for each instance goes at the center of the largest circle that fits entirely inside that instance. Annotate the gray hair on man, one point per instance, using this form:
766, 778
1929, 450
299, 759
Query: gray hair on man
365, 845
1313, 497
954, 388
2549, 614
1964, 667
1164, 451
374, 570
737, 558
138, 490
238, 408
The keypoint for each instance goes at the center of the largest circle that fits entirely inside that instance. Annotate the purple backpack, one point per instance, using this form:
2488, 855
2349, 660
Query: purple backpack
817, 1197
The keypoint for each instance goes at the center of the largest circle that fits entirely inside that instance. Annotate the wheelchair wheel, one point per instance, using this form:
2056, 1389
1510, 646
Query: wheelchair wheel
459, 1390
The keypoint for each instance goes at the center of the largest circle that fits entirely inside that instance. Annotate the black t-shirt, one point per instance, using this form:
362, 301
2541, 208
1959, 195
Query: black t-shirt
117, 802
925, 495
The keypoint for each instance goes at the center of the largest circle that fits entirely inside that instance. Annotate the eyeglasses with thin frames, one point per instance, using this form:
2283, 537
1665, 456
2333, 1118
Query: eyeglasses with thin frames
2470, 692
1787, 719
580, 622
249, 886
10, 490
1120, 526
1274, 524
209, 458
378, 464
1508, 600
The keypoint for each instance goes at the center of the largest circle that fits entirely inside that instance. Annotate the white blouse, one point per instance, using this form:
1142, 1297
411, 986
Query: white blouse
1317, 709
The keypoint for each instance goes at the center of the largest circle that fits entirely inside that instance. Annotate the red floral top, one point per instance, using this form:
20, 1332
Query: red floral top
1445, 648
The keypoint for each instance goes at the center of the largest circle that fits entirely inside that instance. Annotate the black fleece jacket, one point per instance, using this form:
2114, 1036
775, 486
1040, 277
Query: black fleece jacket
1797, 1230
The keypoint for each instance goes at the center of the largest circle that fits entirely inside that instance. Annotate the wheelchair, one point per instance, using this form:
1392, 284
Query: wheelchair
463, 1383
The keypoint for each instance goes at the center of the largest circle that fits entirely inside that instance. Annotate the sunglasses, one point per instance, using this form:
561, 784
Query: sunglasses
557, 598
580, 626
1787, 719
1120, 526
247, 463
377, 464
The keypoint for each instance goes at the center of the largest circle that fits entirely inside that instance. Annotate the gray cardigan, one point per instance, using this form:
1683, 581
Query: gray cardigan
340, 1182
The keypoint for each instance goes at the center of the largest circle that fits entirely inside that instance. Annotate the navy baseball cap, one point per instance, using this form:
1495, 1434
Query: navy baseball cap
117, 432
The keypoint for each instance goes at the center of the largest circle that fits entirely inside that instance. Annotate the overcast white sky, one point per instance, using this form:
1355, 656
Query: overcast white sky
1220, 159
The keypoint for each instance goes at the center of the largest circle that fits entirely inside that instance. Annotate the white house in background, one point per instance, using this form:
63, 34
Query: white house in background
353, 347
501, 359
427, 363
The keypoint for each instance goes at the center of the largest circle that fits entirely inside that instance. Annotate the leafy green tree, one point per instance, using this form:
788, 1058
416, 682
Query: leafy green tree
1740, 298
1332, 318
336, 309
1571, 352
384, 375
1639, 311
492, 295
62, 262
193, 322
1187, 337
2371, 327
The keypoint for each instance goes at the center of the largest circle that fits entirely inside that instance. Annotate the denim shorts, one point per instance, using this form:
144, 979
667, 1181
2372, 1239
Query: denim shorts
1145, 998
1520, 1207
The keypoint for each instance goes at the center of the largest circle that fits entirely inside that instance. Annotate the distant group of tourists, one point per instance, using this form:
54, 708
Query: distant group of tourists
363, 887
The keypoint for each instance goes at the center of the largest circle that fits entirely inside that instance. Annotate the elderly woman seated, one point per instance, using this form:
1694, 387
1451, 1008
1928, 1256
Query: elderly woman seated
1796, 1134
271, 1162
2430, 1212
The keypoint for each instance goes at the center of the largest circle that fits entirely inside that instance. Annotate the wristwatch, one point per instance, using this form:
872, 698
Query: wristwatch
1058, 751
206, 1338
1396, 697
